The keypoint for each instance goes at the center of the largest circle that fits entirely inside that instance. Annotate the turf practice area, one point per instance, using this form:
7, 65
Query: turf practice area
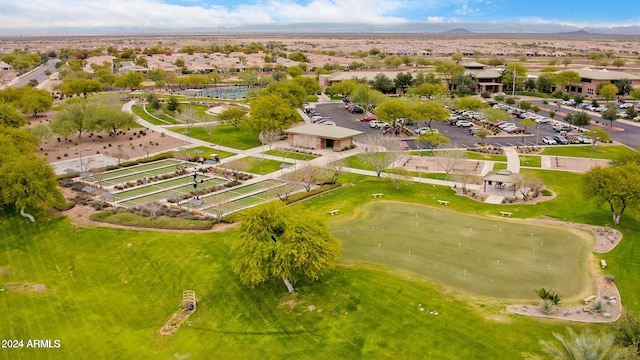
497, 258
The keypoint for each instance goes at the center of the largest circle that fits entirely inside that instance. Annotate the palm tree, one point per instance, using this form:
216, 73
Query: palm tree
584, 346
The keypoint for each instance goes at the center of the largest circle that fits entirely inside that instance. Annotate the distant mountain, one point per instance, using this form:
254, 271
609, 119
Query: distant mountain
576, 33
458, 31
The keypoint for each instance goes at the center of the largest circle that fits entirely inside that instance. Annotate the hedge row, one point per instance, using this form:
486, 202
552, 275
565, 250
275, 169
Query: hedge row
162, 222
293, 198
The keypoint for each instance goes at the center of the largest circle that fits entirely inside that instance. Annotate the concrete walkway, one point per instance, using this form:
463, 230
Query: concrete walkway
513, 160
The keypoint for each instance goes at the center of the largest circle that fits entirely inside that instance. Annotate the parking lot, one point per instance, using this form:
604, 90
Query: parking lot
459, 136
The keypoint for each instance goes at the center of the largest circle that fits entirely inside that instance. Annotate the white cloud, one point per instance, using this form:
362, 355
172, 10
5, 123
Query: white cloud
435, 19
155, 13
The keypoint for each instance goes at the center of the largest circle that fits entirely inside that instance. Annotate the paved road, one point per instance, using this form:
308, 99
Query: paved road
39, 74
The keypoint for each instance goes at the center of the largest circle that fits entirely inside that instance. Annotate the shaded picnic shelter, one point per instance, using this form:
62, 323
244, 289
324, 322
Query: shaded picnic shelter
501, 179
317, 136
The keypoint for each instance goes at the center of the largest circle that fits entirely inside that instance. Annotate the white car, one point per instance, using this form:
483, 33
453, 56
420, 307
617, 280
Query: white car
506, 126
425, 130
377, 124
584, 139
549, 140
464, 123
542, 120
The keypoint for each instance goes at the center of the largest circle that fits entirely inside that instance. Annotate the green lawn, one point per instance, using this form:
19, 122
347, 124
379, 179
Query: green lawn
139, 111
205, 152
256, 165
357, 162
107, 300
602, 151
290, 155
225, 135
482, 156
530, 161
486, 257
104, 299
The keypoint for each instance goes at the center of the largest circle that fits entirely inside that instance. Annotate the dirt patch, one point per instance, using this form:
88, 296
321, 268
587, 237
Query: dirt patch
608, 294
290, 303
25, 286
133, 146
174, 323
4, 270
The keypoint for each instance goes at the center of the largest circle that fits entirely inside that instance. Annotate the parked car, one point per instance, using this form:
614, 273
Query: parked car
391, 131
377, 124
356, 110
404, 145
368, 118
426, 129
584, 139
549, 140
542, 120
328, 122
561, 127
464, 123
561, 139
506, 126
574, 140
515, 130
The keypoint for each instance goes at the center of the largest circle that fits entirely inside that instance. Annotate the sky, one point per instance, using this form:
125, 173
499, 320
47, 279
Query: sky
31, 15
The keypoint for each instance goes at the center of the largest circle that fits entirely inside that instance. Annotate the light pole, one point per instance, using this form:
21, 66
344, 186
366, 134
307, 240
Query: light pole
513, 88
537, 133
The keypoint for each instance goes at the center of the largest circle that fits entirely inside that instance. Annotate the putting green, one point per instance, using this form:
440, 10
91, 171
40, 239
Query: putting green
489, 257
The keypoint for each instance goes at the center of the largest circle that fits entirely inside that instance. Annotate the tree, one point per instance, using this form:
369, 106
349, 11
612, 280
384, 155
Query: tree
77, 117
618, 63
566, 62
449, 159
544, 83
382, 83
233, 115
428, 111
394, 109
448, 71
173, 104
567, 78
282, 242
403, 80
624, 86
428, 90
307, 175
586, 345
308, 83
525, 123
610, 114
112, 118
271, 112
520, 76
627, 331
618, 186
132, 80
82, 87
608, 91
470, 103
397, 175
10, 117
26, 180
41, 131
34, 101
635, 94
381, 151
463, 83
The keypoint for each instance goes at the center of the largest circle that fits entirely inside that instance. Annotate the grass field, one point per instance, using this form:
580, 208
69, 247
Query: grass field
530, 161
601, 151
107, 300
290, 155
104, 299
225, 135
486, 257
256, 165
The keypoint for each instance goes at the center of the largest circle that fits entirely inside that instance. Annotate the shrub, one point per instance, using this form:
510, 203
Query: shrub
64, 206
546, 192
610, 278
304, 195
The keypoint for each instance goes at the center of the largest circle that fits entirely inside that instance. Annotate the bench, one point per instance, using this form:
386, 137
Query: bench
506, 213
333, 212
443, 202
603, 264
377, 195
588, 299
